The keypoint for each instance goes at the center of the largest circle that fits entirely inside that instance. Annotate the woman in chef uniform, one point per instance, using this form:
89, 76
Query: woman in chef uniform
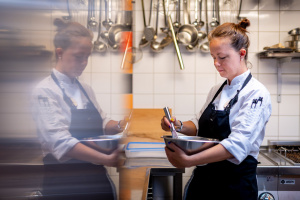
236, 113
66, 111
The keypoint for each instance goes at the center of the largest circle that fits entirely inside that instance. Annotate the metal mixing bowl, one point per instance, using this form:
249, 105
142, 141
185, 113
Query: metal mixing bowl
104, 143
190, 144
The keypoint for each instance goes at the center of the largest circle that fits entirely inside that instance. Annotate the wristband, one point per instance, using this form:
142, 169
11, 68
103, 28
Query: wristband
119, 123
181, 125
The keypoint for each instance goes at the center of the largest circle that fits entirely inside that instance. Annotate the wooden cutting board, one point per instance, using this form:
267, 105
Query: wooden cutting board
146, 123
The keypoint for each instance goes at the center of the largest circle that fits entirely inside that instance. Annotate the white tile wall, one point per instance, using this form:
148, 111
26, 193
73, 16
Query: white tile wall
33, 25
186, 90
157, 79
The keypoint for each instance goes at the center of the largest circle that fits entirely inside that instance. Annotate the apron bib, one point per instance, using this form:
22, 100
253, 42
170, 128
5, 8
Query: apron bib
74, 179
222, 180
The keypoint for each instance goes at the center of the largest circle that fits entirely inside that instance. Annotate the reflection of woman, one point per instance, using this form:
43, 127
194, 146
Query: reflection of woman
66, 111
235, 112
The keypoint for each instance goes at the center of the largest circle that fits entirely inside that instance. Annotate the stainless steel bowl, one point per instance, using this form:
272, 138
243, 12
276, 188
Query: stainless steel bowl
104, 143
190, 144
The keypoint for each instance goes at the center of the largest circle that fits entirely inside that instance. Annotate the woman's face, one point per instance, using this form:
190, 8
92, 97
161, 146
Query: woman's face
228, 62
75, 58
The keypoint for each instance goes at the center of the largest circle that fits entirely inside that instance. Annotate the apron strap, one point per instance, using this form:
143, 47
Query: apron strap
66, 97
220, 89
235, 98
84, 92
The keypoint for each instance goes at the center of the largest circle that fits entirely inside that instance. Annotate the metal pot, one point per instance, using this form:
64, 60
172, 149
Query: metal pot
295, 31
294, 44
295, 37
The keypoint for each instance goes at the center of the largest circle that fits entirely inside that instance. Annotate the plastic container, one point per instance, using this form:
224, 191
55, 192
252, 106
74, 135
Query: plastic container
145, 150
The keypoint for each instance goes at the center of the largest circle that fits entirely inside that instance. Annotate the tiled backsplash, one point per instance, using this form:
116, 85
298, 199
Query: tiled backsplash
32, 23
158, 80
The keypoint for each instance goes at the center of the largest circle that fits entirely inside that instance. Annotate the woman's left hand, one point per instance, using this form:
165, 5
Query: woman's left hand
178, 158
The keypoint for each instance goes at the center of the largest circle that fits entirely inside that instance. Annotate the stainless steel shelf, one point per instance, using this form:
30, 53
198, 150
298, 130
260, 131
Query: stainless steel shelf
281, 58
277, 55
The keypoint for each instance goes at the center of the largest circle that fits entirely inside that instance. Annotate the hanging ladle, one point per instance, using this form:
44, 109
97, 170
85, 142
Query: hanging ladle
155, 46
107, 23
177, 24
205, 46
92, 22
99, 46
144, 42
187, 33
104, 34
196, 22
201, 23
193, 47
239, 18
68, 17
167, 39
201, 34
115, 32
214, 22
149, 31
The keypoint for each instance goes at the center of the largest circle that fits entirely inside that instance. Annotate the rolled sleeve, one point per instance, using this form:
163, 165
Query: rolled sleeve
238, 146
62, 147
52, 117
248, 127
247, 118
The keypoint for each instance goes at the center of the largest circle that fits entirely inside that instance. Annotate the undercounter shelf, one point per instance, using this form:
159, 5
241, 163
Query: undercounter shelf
281, 58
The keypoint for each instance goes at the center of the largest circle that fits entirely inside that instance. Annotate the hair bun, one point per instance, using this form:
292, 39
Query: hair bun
244, 23
59, 23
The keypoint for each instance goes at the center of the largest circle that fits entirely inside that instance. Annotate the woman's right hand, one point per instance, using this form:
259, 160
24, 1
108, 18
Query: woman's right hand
165, 124
113, 159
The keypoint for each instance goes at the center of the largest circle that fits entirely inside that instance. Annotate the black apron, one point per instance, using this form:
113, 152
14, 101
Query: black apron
74, 179
222, 180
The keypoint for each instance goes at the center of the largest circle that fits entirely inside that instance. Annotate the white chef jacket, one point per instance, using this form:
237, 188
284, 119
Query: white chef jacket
247, 119
53, 115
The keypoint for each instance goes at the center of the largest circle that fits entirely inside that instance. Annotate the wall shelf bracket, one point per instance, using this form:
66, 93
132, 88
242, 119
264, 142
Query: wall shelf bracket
281, 58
